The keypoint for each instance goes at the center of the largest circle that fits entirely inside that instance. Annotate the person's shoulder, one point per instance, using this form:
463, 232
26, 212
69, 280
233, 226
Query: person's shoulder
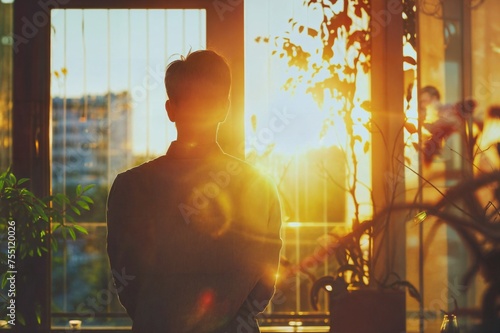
247, 171
142, 170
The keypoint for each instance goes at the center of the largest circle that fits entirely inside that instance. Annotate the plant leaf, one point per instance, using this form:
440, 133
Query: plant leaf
22, 181
83, 204
411, 128
420, 217
81, 229
88, 187
72, 233
76, 210
87, 199
366, 148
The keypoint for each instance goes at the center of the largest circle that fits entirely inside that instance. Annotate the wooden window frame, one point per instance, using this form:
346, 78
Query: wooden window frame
31, 151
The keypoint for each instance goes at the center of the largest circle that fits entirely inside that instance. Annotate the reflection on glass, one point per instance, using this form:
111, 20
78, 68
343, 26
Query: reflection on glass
457, 52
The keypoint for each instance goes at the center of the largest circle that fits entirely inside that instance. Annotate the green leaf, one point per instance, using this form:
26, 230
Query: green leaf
41, 212
38, 313
4, 279
83, 204
72, 233
88, 187
76, 210
81, 229
21, 319
12, 179
22, 181
59, 198
78, 189
87, 199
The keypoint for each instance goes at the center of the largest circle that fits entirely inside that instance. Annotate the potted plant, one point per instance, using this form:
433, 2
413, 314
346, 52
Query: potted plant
470, 208
29, 226
357, 301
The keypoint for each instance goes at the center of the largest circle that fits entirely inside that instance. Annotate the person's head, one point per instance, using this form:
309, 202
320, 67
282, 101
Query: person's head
198, 89
429, 95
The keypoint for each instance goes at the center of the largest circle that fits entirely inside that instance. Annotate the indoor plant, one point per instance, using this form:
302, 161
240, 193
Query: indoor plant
29, 226
470, 208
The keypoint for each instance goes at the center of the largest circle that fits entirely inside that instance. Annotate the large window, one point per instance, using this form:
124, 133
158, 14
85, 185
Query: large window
107, 100
310, 119
108, 96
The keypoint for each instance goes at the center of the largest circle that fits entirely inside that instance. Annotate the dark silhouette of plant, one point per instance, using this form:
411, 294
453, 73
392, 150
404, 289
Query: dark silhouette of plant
475, 217
29, 224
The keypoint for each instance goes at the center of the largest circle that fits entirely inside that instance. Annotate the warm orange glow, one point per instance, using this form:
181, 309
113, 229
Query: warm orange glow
320, 116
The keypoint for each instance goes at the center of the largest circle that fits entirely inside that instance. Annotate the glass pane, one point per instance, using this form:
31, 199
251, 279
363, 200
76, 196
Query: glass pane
6, 15
108, 115
460, 133
486, 82
306, 125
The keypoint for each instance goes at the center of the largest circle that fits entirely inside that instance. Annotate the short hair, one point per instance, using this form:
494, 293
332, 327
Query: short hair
432, 91
203, 74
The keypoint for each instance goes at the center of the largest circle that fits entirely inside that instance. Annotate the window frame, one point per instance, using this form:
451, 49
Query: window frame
32, 128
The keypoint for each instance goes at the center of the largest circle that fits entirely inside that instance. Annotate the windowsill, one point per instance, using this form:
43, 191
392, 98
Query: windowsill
263, 329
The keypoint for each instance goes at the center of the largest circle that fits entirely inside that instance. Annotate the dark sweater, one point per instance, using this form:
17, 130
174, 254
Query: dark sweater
197, 234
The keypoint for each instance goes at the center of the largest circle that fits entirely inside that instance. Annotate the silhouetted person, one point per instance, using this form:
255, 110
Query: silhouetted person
197, 229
